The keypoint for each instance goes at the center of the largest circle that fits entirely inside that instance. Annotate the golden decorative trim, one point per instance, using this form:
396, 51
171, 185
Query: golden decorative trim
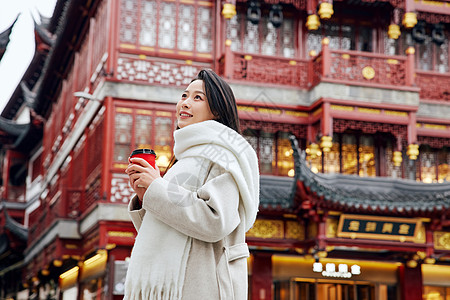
269, 111
296, 113
120, 166
435, 126
369, 110
313, 230
295, 230
163, 114
187, 1
421, 235
127, 46
121, 234
187, 53
395, 113
124, 110
228, 43
166, 51
317, 111
71, 246
204, 55
246, 108
331, 227
248, 57
410, 50
346, 56
142, 56
441, 240
292, 62
368, 72
188, 62
204, 3
325, 41
144, 112
392, 61
267, 229
418, 125
145, 48
342, 107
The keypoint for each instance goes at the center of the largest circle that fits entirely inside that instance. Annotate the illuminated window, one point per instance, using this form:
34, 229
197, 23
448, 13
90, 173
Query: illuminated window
443, 165
349, 154
274, 151
432, 165
357, 154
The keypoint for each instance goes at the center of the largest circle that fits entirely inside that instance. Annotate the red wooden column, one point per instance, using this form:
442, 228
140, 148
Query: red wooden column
261, 279
228, 68
411, 286
410, 67
326, 58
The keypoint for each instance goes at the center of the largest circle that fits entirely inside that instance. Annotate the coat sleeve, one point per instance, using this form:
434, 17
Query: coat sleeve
208, 214
136, 215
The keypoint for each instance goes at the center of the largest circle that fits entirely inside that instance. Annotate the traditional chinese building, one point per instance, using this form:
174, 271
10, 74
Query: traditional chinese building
345, 102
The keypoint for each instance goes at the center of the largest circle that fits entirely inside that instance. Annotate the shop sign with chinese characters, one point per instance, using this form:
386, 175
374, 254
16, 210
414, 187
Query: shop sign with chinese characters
381, 228
339, 271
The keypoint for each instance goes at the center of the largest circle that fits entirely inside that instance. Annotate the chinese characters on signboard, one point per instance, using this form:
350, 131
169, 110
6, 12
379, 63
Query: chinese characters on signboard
371, 227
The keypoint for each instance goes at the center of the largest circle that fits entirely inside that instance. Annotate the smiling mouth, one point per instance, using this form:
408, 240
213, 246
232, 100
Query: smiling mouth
185, 115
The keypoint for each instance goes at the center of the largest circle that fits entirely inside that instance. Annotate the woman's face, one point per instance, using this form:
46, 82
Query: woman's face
193, 106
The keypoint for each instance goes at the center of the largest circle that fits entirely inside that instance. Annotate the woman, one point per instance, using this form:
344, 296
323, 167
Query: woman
191, 223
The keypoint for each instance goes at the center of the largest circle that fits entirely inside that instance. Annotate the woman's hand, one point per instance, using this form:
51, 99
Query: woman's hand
141, 175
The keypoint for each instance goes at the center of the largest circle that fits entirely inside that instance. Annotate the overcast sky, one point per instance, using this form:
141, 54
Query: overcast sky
21, 46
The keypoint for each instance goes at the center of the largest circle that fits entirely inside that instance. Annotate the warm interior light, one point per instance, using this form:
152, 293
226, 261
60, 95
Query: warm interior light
69, 273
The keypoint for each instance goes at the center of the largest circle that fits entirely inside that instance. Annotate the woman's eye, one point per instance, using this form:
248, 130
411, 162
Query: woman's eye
183, 96
198, 97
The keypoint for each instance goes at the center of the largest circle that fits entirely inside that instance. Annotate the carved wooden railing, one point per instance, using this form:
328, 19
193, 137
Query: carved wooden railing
265, 69
364, 68
433, 85
346, 67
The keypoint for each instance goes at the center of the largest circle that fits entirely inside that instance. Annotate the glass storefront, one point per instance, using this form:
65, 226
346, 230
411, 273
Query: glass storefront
298, 278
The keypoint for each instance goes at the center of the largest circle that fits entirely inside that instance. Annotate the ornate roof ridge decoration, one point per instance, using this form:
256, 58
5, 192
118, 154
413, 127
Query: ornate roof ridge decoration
4, 38
368, 194
43, 36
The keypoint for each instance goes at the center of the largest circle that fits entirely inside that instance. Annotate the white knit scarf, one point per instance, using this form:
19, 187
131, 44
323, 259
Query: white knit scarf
160, 253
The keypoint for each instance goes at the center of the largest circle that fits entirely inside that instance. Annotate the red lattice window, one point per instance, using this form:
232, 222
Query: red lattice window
169, 27
262, 38
144, 128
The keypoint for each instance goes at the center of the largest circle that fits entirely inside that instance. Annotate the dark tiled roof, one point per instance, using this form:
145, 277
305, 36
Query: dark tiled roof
372, 193
276, 192
16, 228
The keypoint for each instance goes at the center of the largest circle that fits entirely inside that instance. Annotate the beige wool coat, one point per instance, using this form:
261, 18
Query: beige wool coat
210, 211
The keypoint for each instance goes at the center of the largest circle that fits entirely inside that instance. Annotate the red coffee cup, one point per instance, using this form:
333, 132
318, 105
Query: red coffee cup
148, 154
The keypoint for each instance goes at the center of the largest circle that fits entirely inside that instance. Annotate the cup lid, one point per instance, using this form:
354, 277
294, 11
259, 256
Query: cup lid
142, 151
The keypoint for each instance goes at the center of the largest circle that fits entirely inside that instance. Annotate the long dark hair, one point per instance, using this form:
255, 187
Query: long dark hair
221, 101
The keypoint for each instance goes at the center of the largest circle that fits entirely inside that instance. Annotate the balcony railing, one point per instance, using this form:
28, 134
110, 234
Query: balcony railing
266, 69
338, 66
433, 85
